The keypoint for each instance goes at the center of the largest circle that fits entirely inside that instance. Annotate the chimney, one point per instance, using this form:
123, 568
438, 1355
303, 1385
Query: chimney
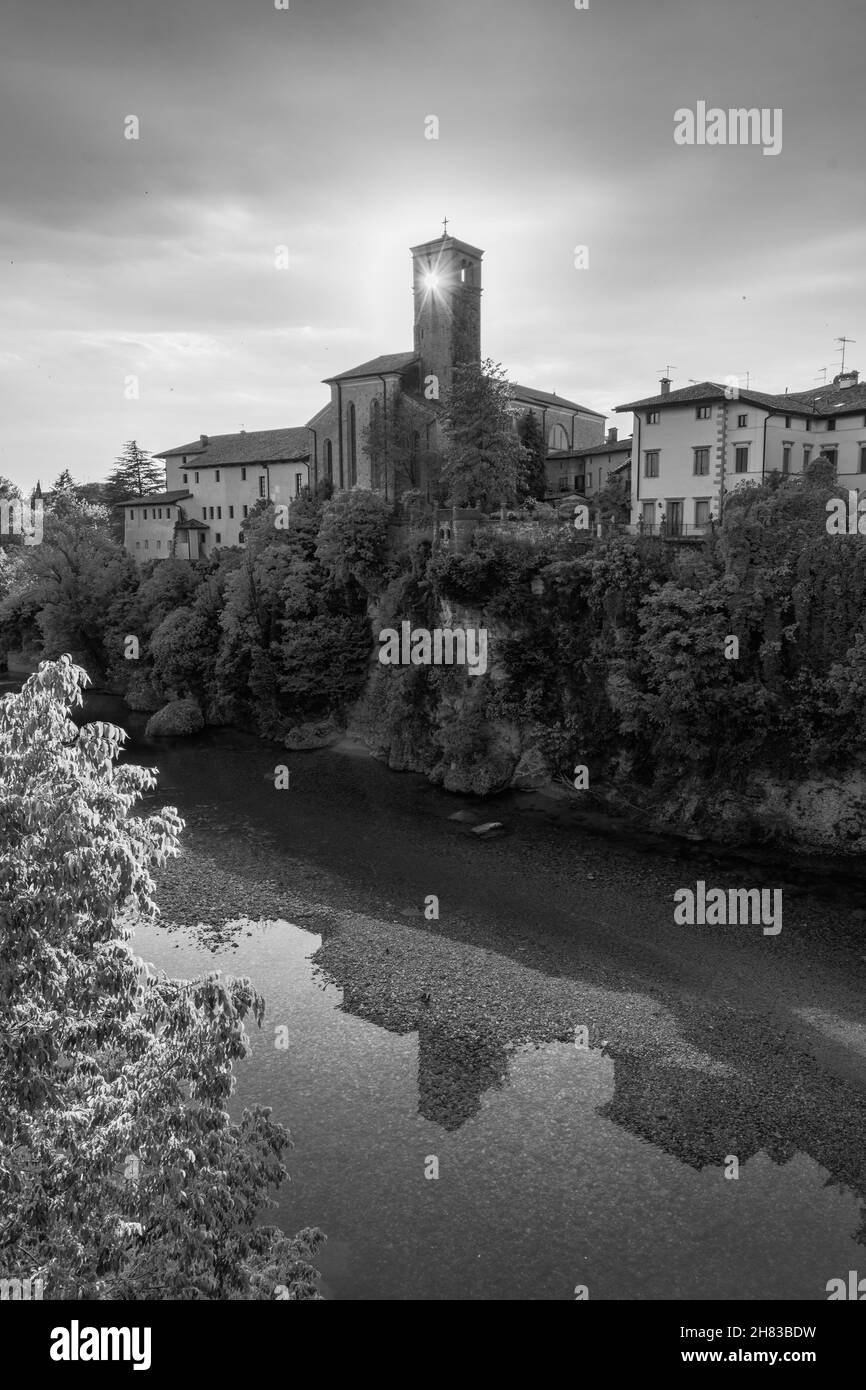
665, 386
203, 438
611, 435
846, 379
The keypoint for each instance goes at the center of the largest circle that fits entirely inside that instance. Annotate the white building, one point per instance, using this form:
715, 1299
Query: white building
692, 447
212, 486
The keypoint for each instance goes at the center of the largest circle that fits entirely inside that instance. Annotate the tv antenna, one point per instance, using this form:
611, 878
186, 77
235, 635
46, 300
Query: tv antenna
843, 340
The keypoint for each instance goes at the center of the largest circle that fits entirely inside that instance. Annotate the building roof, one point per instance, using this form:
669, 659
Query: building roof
533, 397
825, 400
607, 446
191, 525
249, 446
153, 498
388, 362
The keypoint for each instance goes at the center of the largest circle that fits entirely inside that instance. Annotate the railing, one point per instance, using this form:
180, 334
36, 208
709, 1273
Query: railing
671, 531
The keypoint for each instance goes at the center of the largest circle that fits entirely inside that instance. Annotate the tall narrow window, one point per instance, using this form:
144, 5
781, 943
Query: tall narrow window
786, 457
741, 459
702, 461
262, 486
329, 460
651, 463
807, 454
353, 461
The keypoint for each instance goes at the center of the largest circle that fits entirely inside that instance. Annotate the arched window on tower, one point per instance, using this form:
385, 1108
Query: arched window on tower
329, 460
353, 459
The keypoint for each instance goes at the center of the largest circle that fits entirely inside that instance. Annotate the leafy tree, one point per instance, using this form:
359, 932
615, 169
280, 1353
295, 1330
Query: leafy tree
614, 499
64, 483
531, 436
74, 585
395, 442
134, 474
9, 489
483, 457
122, 1173
353, 539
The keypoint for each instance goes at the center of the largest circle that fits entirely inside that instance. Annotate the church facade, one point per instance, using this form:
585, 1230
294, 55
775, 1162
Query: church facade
381, 429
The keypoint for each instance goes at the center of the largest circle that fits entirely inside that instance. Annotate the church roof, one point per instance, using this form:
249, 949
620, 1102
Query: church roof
532, 397
388, 362
249, 446
319, 416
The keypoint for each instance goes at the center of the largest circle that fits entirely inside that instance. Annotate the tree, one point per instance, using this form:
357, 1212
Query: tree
353, 539
122, 1173
64, 483
77, 582
9, 489
395, 441
483, 458
134, 474
530, 434
614, 499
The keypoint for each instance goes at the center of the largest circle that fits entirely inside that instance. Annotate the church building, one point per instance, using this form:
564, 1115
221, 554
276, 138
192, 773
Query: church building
380, 430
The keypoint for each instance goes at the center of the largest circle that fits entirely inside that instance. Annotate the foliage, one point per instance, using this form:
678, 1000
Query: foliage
484, 460
122, 1173
395, 442
353, 539
134, 474
531, 436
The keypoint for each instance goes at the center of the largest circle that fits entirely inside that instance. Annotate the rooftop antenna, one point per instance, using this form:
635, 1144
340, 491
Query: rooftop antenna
823, 371
843, 340
668, 369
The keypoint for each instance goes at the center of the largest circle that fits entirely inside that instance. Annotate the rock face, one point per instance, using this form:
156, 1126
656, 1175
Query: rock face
177, 718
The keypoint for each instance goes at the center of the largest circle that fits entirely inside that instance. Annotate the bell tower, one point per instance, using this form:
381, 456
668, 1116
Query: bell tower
446, 291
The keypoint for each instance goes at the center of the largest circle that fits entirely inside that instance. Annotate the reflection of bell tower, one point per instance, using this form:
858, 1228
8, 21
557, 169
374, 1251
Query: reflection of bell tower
446, 287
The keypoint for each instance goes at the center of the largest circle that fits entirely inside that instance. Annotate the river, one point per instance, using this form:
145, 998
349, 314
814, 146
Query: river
418, 1043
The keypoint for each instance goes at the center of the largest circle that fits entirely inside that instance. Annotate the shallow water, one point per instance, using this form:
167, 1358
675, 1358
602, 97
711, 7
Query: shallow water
558, 1166
536, 1193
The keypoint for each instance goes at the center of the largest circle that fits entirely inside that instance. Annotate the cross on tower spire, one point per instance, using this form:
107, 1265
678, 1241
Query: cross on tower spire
444, 227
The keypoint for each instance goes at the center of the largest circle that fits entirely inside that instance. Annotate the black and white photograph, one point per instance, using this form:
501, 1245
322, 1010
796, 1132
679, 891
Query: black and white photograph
433, 668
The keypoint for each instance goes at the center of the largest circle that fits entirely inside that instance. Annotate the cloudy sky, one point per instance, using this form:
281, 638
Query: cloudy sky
258, 128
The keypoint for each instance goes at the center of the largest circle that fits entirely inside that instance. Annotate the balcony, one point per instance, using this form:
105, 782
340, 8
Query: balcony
672, 531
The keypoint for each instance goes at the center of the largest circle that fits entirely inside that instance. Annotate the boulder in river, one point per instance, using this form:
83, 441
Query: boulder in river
177, 718
489, 829
464, 817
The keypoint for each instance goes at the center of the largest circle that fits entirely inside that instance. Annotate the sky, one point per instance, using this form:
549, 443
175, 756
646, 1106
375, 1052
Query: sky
150, 265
